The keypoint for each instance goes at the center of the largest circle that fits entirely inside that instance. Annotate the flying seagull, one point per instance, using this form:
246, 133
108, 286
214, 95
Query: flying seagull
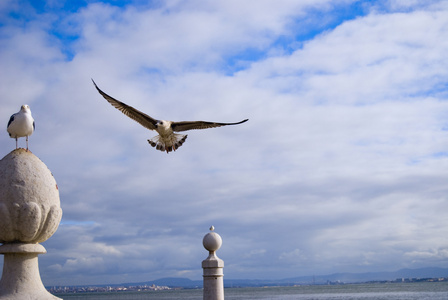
167, 140
21, 124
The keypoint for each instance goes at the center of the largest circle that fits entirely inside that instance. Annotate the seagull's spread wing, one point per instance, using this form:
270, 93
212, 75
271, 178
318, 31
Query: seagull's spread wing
129, 111
189, 125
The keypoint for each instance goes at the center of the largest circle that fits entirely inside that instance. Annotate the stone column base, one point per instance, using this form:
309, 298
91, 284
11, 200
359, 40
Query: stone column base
21, 278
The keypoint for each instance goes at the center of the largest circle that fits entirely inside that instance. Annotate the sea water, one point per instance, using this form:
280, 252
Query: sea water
370, 291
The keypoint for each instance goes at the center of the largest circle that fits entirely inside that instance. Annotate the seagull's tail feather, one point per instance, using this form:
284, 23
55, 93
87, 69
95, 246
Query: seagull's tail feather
168, 145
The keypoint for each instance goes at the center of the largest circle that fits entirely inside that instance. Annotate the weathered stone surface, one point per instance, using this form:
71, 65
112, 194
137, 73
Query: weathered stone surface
213, 268
29, 199
30, 213
21, 279
212, 241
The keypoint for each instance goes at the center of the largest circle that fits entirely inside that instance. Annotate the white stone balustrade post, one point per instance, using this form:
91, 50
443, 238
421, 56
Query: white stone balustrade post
213, 267
30, 213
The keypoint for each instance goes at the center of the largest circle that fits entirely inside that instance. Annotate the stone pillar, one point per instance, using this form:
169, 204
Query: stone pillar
213, 267
30, 213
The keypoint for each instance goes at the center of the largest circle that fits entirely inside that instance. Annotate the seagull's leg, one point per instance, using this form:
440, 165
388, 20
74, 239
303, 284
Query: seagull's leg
26, 143
16, 144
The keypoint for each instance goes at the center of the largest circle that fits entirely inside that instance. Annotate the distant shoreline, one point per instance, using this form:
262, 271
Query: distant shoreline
57, 290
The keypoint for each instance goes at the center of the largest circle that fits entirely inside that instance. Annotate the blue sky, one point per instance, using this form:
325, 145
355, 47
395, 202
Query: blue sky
341, 167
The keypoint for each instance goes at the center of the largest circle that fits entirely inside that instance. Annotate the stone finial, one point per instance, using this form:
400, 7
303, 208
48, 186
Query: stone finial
212, 241
30, 209
30, 213
213, 267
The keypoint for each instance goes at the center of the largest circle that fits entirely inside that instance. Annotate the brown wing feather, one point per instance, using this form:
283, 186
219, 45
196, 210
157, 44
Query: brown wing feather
189, 125
129, 111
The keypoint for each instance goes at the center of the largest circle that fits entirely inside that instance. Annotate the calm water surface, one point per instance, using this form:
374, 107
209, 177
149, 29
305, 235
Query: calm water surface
393, 291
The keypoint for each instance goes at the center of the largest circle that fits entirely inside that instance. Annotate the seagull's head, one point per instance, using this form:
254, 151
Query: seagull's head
25, 108
163, 124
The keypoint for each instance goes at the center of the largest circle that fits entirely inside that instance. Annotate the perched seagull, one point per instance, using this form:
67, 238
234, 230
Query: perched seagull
21, 124
167, 140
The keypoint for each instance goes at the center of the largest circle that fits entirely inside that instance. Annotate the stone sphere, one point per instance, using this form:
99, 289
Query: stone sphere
30, 209
212, 241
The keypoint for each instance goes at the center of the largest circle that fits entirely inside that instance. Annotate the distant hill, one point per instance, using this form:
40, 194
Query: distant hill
370, 276
318, 279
